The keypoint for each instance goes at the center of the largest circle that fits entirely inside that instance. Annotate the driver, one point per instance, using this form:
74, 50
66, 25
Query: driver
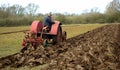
48, 21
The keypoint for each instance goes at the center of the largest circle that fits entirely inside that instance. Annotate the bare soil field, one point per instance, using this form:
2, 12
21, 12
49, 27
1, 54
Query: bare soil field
98, 49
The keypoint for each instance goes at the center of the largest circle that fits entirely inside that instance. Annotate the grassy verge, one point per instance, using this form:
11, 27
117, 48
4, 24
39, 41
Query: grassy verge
10, 43
10, 29
74, 30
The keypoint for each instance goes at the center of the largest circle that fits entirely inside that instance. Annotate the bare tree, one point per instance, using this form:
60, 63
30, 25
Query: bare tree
7, 10
31, 9
113, 6
4, 7
3, 11
94, 10
18, 9
113, 11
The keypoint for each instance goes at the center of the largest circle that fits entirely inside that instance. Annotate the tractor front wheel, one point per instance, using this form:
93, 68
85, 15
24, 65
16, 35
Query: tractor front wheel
45, 42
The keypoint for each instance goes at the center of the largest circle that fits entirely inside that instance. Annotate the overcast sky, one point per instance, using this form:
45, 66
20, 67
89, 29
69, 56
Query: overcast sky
62, 6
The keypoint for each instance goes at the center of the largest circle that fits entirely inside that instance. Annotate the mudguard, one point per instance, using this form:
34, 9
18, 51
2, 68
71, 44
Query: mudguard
36, 26
54, 28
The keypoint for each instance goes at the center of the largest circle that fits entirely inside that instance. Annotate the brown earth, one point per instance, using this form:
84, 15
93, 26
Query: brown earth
98, 49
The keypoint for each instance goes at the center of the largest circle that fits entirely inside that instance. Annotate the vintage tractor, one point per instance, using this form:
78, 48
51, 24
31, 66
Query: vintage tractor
39, 36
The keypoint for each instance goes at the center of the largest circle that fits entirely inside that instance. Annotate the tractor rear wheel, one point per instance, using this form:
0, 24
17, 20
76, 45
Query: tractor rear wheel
58, 38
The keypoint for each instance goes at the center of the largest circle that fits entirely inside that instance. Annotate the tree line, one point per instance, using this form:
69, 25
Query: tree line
17, 15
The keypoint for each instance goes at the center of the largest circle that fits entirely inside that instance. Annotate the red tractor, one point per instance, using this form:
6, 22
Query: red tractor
39, 36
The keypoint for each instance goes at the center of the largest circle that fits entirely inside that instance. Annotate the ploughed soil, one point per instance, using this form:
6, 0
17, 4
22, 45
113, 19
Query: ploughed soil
98, 49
